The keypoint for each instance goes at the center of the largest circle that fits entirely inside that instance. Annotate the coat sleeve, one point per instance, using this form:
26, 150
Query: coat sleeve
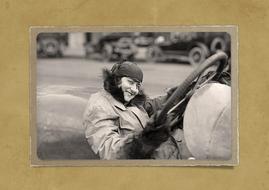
152, 105
102, 129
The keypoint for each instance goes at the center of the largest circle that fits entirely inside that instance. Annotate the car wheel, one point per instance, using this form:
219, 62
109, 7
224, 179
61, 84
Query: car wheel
51, 47
196, 56
218, 44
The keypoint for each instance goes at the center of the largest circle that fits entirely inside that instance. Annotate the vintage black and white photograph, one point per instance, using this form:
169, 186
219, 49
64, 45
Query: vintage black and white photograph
136, 95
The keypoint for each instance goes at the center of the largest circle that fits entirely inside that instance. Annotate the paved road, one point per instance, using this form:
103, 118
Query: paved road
81, 77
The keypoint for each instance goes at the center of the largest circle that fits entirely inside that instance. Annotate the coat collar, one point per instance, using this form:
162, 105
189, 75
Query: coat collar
140, 113
113, 101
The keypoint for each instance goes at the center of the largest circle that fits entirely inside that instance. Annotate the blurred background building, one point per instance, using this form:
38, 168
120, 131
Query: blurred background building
192, 47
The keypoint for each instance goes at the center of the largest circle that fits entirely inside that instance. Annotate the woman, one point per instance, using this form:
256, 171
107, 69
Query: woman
117, 119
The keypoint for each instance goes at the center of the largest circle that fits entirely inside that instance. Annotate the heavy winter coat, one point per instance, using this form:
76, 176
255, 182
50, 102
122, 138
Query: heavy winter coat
109, 124
113, 130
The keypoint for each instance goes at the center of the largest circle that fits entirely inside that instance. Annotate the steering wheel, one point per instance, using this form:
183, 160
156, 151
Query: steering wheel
219, 59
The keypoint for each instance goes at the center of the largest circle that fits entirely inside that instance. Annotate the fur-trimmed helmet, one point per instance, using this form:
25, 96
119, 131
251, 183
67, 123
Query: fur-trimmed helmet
128, 69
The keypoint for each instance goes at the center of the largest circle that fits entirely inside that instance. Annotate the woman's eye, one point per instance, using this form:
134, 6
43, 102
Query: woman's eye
131, 82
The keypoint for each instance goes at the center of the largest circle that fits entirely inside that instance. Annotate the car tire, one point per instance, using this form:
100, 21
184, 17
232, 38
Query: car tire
51, 47
196, 56
218, 44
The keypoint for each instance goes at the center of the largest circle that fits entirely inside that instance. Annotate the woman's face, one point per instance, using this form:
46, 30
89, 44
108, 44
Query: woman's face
129, 87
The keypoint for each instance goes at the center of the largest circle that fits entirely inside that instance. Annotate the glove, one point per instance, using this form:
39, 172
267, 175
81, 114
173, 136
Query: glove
142, 145
156, 133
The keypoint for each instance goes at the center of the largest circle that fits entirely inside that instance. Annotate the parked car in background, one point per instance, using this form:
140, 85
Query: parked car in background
112, 46
192, 47
123, 49
122, 45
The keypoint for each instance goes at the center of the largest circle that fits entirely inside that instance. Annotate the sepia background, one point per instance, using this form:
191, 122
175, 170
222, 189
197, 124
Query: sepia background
252, 18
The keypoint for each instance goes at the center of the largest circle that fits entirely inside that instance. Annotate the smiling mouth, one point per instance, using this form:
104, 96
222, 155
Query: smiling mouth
131, 94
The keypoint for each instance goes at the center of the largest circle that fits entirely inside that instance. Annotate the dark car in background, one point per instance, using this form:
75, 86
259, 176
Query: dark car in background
122, 49
121, 45
192, 47
112, 46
